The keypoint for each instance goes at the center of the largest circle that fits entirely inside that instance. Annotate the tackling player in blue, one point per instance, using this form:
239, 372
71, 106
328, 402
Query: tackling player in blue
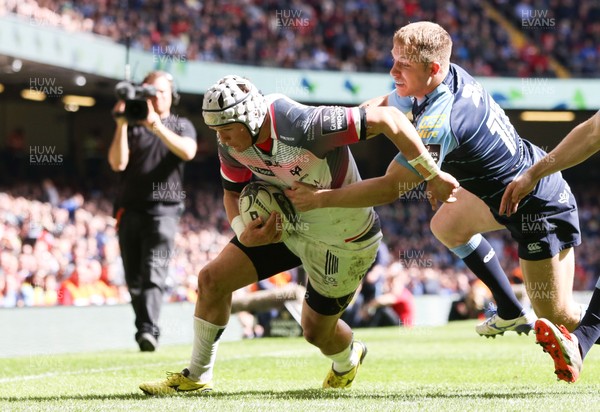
468, 133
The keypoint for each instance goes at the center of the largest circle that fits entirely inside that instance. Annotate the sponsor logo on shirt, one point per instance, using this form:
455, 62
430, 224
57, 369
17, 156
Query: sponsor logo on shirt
534, 247
429, 126
434, 150
333, 120
260, 170
272, 163
563, 198
296, 171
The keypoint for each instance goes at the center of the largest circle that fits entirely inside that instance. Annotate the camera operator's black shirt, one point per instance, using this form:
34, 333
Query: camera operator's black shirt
153, 179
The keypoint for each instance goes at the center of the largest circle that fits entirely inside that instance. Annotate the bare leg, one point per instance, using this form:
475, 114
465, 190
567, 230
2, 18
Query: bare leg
458, 226
231, 270
328, 333
549, 284
334, 338
455, 223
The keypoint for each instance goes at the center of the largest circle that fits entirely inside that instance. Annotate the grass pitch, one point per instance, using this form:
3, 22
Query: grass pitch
447, 368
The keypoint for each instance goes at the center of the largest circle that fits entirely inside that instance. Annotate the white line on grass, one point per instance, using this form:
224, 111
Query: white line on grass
120, 368
78, 372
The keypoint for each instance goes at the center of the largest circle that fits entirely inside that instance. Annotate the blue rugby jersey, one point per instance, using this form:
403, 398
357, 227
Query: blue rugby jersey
469, 136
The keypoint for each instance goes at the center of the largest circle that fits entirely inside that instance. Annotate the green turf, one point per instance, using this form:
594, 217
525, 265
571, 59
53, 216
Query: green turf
446, 368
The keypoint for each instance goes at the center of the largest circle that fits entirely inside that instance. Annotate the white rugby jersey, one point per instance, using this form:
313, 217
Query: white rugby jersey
307, 144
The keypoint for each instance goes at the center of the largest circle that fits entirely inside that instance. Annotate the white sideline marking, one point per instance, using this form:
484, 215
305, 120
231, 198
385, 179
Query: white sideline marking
120, 368
78, 372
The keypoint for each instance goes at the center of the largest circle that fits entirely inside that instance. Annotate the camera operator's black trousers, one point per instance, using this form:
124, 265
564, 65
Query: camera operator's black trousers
147, 247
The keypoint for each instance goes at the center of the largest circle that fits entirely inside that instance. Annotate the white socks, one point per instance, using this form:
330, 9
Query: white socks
204, 352
344, 360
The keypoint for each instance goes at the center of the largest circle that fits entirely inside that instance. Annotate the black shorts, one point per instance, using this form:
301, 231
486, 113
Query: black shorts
547, 223
275, 258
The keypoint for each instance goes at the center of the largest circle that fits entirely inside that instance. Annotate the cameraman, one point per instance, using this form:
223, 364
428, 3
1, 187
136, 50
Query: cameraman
149, 155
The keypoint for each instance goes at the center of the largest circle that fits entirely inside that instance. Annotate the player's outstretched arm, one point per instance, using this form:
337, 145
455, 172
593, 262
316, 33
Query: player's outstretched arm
370, 192
391, 122
396, 126
376, 101
581, 142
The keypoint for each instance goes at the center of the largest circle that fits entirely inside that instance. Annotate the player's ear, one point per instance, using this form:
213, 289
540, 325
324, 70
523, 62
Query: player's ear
435, 68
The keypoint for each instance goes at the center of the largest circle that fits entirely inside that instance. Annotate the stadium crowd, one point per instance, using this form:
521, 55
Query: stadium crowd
568, 30
60, 248
327, 35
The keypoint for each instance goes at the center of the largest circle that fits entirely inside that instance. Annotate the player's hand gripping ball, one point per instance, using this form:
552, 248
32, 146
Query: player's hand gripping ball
259, 199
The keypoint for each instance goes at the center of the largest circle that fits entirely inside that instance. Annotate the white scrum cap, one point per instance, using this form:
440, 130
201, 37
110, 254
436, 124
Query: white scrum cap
234, 99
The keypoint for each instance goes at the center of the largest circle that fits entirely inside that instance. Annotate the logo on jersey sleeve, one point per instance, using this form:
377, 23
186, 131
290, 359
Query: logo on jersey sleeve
563, 198
333, 120
473, 91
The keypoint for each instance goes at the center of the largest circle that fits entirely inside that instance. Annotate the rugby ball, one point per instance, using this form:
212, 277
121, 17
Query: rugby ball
259, 199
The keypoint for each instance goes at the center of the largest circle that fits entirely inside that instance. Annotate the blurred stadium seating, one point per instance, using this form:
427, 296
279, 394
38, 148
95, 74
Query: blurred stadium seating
350, 35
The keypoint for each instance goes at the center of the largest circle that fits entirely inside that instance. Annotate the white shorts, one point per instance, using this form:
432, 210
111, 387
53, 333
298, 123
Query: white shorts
335, 271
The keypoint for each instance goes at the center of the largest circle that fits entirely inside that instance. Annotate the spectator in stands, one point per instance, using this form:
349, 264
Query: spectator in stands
2, 288
50, 193
12, 296
50, 291
150, 155
395, 305
472, 304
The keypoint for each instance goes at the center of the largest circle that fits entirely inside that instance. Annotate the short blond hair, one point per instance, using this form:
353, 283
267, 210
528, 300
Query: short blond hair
425, 42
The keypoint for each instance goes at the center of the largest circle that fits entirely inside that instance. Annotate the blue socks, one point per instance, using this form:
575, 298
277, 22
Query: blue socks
480, 257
